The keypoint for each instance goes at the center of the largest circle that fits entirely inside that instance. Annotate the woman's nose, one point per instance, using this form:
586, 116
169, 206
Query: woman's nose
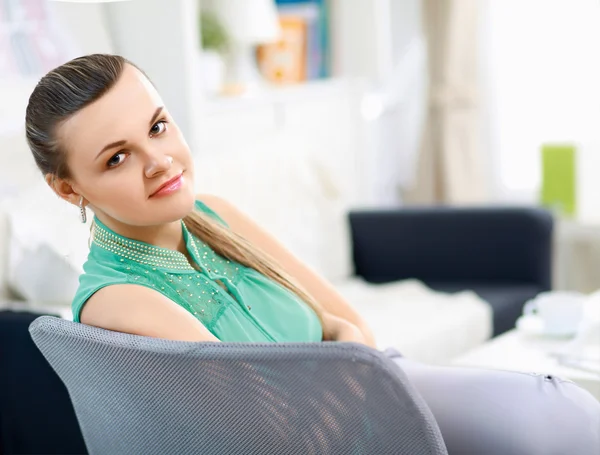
157, 165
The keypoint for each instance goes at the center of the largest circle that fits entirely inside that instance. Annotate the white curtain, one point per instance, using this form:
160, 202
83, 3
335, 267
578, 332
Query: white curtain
450, 166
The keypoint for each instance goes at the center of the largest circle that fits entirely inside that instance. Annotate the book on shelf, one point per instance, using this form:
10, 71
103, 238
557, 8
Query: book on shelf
285, 61
303, 52
32, 42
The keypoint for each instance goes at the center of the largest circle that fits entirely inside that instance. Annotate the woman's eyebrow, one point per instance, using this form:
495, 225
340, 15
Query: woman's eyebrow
156, 114
122, 141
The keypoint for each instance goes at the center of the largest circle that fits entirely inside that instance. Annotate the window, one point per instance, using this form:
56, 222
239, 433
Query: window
542, 84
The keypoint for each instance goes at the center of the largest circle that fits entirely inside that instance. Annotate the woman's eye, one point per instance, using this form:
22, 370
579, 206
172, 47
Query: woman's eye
116, 159
158, 128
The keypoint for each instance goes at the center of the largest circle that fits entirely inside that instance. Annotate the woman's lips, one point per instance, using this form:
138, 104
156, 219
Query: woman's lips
169, 187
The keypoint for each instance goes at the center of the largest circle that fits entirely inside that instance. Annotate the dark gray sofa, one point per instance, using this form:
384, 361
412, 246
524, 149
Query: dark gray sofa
504, 254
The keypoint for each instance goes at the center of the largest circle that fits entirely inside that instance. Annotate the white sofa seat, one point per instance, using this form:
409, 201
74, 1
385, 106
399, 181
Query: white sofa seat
422, 324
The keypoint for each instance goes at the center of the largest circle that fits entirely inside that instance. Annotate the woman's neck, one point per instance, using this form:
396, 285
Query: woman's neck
168, 235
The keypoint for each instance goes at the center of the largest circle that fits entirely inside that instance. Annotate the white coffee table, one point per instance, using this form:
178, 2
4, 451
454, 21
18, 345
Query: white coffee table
515, 351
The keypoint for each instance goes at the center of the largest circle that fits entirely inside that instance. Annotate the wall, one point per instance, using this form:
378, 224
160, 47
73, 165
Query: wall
382, 42
164, 42
360, 38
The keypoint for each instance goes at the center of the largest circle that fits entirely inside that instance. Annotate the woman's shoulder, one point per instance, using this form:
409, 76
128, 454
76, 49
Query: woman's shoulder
96, 275
214, 206
99, 268
142, 311
225, 211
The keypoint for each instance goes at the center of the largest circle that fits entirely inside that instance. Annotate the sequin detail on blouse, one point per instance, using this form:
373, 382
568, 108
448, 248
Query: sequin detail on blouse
205, 293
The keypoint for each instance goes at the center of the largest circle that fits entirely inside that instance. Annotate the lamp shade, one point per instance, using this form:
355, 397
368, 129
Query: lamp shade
248, 21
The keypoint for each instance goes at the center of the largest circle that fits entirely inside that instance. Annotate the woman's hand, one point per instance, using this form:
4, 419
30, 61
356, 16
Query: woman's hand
338, 329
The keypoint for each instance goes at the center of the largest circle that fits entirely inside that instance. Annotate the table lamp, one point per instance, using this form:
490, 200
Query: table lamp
248, 23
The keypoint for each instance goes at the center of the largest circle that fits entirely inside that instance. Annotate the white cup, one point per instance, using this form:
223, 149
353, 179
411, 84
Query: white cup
561, 312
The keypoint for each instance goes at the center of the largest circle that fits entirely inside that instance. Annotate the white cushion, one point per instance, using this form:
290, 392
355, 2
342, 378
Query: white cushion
422, 324
291, 194
47, 245
15, 178
44, 275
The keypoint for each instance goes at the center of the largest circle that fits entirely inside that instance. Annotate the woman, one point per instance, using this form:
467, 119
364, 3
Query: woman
166, 263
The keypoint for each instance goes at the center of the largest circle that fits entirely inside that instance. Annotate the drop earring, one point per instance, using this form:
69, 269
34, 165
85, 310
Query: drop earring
82, 211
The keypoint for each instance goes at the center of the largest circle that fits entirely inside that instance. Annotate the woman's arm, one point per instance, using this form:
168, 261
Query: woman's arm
142, 311
344, 315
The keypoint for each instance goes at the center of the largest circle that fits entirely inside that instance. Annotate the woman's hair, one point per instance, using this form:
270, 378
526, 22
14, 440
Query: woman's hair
72, 86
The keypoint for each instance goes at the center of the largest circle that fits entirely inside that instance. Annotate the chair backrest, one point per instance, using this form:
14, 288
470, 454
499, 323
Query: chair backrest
141, 395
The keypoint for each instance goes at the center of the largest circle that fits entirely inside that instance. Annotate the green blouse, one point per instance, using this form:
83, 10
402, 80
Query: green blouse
248, 306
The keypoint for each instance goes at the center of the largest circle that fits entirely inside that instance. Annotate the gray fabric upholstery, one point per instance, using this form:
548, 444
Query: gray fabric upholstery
140, 395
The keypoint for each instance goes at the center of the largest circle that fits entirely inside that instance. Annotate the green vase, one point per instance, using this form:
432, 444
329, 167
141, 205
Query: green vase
559, 178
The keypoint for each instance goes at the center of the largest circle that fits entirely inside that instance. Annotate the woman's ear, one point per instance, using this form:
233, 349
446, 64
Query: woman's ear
63, 189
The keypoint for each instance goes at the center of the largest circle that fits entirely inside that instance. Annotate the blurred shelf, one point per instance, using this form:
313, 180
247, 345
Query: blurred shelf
272, 95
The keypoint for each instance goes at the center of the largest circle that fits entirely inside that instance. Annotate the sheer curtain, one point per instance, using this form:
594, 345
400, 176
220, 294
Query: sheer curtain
450, 162
395, 105
541, 75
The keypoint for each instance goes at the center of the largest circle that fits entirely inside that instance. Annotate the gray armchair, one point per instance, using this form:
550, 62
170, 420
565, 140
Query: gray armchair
140, 395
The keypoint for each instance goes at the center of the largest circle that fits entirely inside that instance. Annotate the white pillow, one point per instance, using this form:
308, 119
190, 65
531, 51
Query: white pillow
48, 246
291, 194
42, 275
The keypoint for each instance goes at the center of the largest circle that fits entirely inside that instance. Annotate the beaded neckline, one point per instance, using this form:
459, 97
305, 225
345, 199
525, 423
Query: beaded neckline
144, 253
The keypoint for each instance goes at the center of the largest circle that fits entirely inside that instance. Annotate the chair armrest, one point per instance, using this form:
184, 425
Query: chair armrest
494, 245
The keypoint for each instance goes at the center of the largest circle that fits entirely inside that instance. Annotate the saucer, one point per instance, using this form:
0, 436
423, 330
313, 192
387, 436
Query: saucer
533, 325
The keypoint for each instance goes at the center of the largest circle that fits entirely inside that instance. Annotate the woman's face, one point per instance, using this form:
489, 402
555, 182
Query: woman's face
127, 157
